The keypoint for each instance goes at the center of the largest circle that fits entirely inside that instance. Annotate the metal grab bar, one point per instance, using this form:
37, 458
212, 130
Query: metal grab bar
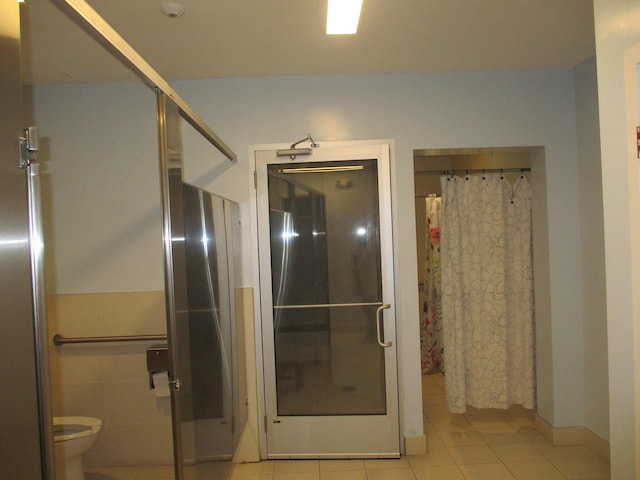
61, 339
327, 305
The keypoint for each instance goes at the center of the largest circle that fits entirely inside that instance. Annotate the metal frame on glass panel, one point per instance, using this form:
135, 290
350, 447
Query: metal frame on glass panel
377, 428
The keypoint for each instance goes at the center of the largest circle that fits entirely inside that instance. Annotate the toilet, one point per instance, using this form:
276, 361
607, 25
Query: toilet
73, 437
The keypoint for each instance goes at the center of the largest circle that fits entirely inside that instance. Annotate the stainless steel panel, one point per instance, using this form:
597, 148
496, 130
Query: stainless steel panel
39, 299
20, 452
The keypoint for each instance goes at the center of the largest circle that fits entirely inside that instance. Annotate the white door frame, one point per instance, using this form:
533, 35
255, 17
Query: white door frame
254, 259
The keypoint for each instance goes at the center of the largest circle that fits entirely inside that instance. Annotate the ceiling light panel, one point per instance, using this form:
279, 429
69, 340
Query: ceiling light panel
343, 16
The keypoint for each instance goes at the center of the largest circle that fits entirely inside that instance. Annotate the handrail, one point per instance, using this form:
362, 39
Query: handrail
62, 340
327, 305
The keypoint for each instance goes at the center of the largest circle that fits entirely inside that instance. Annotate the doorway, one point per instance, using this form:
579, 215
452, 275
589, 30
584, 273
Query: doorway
429, 166
327, 296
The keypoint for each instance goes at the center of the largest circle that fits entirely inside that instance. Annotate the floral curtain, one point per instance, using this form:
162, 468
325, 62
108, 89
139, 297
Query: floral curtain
487, 299
431, 319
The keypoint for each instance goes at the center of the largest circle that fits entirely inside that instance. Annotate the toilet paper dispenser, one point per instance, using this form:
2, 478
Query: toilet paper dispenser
157, 361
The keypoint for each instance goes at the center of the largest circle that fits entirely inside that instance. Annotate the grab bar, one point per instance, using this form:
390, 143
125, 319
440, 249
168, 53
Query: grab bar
61, 340
327, 305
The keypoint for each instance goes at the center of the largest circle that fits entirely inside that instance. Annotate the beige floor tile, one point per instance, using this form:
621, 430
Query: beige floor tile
462, 437
450, 424
521, 418
297, 476
496, 438
582, 467
516, 452
488, 471
436, 456
438, 378
438, 472
429, 383
344, 475
550, 452
159, 472
296, 466
119, 473
207, 470
233, 476
531, 434
338, 465
534, 470
391, 474
259, 468
489, 423
483, 411
433, 439
436, 411
468, 454
390, 463
435, 400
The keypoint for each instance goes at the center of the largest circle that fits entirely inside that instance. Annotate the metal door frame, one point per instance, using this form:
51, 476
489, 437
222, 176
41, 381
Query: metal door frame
345, 151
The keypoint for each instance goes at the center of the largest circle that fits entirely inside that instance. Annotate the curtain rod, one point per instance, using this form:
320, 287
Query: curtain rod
453, 171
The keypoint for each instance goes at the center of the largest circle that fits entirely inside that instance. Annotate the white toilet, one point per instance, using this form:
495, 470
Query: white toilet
73, 437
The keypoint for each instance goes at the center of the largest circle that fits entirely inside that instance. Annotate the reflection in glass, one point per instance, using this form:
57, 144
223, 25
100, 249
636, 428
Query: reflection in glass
204, 328
326, 286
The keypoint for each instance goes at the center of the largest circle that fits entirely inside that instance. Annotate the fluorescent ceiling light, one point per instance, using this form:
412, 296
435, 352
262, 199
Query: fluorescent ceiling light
343, 16
342, 168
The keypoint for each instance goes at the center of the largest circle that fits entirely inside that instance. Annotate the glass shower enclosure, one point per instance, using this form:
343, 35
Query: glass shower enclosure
201, 267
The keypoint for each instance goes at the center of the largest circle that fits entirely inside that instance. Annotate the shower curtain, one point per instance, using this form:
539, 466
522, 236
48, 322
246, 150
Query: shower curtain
431, 319
487, 292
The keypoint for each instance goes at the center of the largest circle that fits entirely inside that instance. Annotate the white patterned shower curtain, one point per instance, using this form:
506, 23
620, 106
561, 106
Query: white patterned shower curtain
431, 318
487, 292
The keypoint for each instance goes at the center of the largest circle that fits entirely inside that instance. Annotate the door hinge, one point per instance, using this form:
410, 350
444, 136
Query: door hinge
255, 179
28, 145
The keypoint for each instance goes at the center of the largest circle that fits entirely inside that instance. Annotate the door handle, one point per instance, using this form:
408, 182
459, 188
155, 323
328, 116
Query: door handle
379, 325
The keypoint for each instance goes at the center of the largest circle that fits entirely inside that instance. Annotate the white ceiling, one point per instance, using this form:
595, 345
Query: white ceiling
230, 38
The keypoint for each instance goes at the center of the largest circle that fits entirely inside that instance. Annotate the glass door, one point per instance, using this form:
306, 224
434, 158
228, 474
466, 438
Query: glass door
328, 324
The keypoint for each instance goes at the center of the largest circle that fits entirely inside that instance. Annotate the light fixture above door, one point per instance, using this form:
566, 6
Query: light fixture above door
343, 16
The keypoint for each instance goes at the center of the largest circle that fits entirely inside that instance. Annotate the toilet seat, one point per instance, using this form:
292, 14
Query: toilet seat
70, 428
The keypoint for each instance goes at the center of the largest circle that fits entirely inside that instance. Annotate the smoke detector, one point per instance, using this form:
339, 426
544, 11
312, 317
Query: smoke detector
172, 9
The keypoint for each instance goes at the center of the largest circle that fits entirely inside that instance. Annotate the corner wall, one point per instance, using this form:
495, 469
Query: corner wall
617, 24
596, 385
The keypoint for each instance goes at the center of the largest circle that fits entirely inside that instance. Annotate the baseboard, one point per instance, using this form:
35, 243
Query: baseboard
597, 444
565, 436
415, 445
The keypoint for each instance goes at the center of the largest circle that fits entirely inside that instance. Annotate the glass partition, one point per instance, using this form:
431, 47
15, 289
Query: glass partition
201, 266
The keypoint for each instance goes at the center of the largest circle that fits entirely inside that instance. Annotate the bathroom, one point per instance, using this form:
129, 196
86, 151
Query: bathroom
119, 292
68, 104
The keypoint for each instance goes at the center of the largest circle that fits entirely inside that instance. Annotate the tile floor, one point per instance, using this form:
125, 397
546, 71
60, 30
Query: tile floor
480, 445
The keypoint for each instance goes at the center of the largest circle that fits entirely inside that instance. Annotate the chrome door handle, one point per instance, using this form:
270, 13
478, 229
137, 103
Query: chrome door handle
379, 325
